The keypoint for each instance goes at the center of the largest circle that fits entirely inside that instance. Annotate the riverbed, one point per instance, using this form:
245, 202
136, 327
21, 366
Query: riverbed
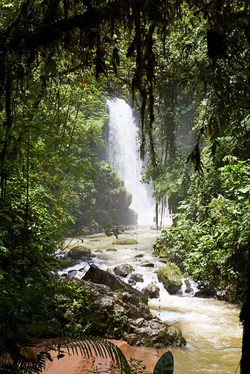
210, 327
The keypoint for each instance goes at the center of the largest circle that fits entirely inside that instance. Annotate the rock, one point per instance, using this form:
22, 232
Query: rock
136, 277
204, 293
79, 253
188, 288
65, 262
152, 291
99, 276
128, 217
153, 333
122, 315
125, 241
132, 282
147, 264
123, 270
71, 273
171, 277
164, 259
222, 295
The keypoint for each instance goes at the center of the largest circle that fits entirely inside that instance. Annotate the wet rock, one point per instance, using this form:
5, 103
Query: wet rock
147, 264
204, 293
123, 270
65, 262
153, 333
132, 282
139, 256
136, 277
99, 276
188, 288
124, 241
79, 253
122, 315
171, 277
164, 259
152, 291
71, 274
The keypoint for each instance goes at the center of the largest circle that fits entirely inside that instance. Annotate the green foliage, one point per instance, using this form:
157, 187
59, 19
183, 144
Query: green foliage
113, 229
186, 63
61, 310
137, 366
165, 364
210, 237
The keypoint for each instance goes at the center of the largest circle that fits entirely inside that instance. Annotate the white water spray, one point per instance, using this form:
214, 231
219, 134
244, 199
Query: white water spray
123, 154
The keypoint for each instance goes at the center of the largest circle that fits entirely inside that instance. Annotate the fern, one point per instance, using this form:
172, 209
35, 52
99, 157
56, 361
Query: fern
35, 357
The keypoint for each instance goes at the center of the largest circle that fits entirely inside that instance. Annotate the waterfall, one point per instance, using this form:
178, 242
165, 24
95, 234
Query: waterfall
123, 154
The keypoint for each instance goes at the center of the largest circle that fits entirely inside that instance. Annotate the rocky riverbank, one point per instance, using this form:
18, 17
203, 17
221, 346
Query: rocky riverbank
122, 312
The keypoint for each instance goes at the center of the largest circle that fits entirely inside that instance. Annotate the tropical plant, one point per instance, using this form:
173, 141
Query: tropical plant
165, 364
177, 50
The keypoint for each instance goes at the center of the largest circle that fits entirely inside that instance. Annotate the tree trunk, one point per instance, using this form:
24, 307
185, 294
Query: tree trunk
245, 319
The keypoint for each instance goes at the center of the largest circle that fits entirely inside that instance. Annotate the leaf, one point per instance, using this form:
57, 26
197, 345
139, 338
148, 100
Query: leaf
165, 365
27, 352
245, 189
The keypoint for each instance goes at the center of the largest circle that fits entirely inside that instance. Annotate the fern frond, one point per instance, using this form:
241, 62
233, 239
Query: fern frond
96, 347
34, 356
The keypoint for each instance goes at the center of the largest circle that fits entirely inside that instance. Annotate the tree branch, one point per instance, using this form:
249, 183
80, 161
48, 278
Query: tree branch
49, 33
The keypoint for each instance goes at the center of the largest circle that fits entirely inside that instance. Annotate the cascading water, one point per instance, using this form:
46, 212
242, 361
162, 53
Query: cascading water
211, 327
123, 154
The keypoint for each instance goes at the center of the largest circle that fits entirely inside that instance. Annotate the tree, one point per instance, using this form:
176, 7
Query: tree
41, 40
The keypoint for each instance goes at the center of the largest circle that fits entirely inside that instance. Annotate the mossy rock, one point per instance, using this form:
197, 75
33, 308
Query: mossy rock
164, 259
65, 262
111, 250
79, 253
171, 277
125, 241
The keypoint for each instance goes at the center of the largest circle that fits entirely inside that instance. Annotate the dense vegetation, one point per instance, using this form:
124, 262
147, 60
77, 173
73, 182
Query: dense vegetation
185, 66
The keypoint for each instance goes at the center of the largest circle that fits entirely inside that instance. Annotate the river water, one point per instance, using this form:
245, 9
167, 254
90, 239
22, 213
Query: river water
210, 327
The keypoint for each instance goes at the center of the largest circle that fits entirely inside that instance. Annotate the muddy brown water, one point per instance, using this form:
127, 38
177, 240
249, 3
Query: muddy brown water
211, 327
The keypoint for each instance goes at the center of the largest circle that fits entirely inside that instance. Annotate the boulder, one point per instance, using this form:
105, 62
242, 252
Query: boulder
122, 315
125, 241
152, 291
154, 333
171, 277
79, 253
204, 293
99, 276
136, 277
123, 270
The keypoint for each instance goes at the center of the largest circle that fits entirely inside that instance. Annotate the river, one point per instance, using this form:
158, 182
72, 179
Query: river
210, 327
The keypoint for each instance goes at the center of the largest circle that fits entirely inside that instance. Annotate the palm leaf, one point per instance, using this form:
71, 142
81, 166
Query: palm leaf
96, 347
32, 356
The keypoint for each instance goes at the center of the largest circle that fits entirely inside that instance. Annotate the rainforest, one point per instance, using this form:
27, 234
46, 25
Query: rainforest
182, 66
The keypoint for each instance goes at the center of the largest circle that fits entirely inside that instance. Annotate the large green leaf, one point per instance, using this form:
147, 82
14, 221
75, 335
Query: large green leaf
165, 365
